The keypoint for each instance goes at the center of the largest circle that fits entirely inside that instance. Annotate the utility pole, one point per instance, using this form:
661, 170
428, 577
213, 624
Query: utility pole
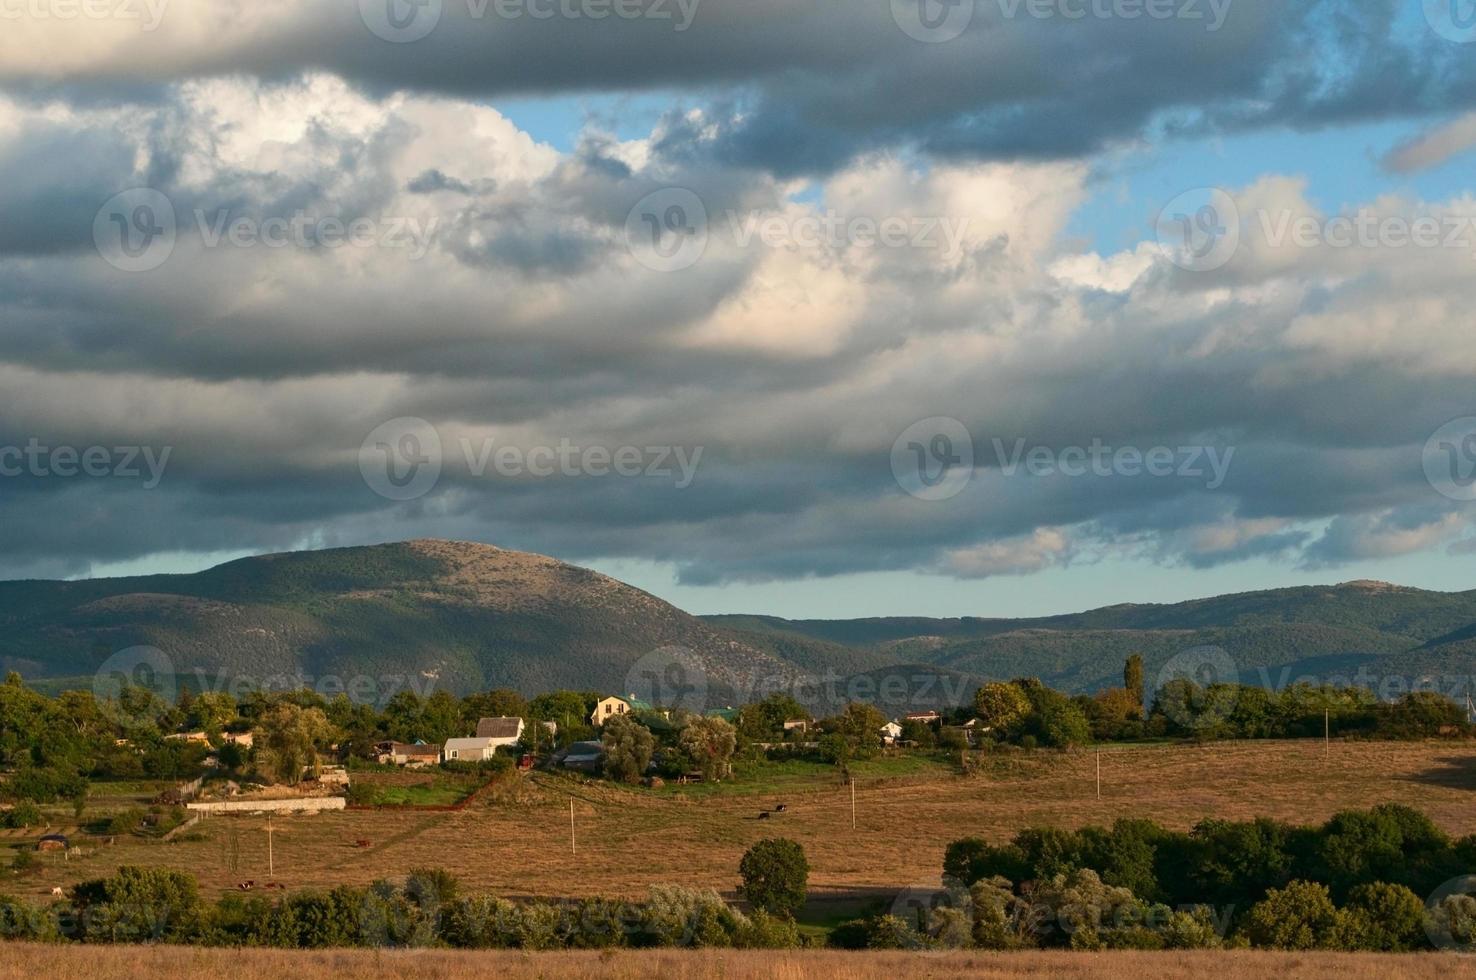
853, 802
1326, 734
1099, 774
572, 848
271, 862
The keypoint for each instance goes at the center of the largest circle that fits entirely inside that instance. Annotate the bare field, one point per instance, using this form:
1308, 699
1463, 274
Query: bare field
516, 842
127, 963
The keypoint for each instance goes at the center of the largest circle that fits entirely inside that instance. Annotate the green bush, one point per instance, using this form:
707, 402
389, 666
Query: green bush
1385, 918
1192, 929
675, 916
23, 814
140, 905
765, 931
775, 875
27, 923
1300, 916
891, 932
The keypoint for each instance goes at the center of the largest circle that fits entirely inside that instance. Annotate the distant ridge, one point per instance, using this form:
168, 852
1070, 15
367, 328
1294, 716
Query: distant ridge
470, 616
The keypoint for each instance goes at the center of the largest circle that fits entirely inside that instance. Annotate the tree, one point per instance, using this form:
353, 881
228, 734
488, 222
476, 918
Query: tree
709, 743
763, 721
920, 733
1299, 916
1001, 706
1386, 918
1055, 719
1132, 679
858, 729
287, 742
628, 748
440, 718
502, 702
775, 876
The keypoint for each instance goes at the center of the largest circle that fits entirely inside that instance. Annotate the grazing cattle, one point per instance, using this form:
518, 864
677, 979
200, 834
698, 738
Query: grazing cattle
780, 808
764, 815
56, 893
361, 843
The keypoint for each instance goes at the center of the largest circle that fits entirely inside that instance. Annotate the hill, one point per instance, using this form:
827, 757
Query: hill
1355, 630
467, 617
464, 616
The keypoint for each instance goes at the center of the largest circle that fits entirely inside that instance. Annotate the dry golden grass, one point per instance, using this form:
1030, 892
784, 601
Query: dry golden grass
517, 844
128, 963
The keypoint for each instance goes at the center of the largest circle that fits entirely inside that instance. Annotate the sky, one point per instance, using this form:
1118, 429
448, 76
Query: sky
818, 309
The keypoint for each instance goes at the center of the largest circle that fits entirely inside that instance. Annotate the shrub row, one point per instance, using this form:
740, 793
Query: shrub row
154, 905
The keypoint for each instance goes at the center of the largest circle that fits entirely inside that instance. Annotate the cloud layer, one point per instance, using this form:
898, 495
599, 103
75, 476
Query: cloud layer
339, 231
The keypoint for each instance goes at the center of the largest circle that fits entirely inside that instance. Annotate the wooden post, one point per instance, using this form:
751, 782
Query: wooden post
271, 862
853, 802
1326, 735
572, 847
1099, 774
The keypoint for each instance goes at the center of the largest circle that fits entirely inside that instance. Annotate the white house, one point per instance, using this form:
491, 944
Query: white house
470, 749
502, 731
890, 732
607, 708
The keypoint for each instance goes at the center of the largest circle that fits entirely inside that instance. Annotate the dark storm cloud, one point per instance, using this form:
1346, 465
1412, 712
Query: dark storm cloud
803, 87
520, 313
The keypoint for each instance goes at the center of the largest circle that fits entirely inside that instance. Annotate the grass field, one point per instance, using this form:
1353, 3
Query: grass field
128, 963
514, 839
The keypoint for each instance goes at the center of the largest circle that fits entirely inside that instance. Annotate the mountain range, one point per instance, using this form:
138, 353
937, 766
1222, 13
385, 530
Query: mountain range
466, 617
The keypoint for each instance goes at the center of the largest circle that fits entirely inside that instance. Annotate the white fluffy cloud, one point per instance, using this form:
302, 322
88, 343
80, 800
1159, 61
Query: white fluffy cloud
793, 351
